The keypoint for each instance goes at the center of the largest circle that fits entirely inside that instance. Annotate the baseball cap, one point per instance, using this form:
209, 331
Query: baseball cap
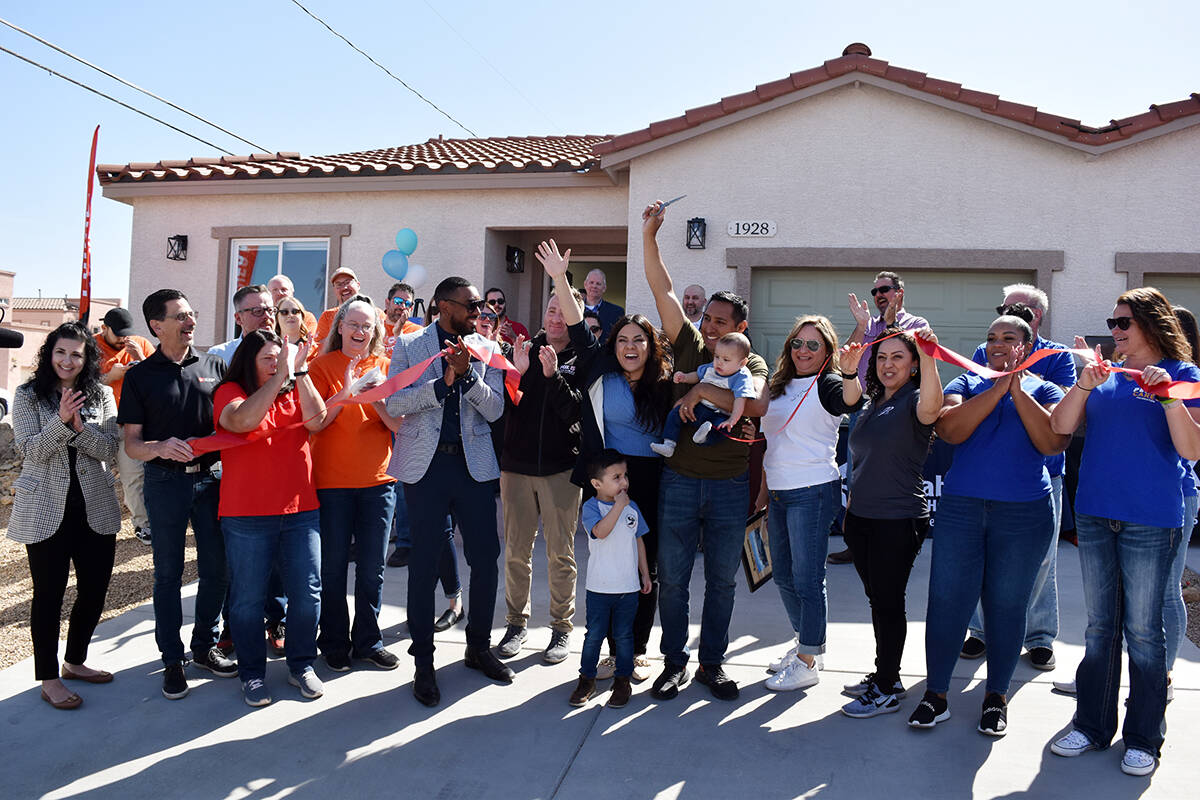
342, 271
119, 321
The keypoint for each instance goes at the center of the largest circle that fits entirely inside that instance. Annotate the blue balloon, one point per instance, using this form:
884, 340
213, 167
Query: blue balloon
406, 241
395, 264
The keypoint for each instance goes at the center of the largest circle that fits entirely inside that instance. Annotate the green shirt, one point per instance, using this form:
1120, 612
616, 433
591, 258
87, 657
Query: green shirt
725, 459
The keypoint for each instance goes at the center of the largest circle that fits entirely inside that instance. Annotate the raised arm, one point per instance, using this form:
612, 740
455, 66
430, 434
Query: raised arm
1036, 419
1071, 410
929, 406
556, 265
670, 312
958, 419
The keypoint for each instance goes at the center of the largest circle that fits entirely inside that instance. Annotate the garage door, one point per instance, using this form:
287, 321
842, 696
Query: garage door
959, 305
1181, 290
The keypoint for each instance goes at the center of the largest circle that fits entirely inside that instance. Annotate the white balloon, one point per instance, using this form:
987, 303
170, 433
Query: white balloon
416, 275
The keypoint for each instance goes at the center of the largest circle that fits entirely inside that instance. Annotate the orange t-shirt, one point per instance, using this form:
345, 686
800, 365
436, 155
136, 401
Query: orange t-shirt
353, 451
389, 341
110, 355
270, 476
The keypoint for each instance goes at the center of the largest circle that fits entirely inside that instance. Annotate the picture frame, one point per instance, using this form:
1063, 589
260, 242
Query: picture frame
756, 551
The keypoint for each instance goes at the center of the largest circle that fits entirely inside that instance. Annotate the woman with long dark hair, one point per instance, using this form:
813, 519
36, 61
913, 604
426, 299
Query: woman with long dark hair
65, 506
1129, 531
629, 393
268, 506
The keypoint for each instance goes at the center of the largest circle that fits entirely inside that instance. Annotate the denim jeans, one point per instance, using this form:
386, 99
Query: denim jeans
1125, 568
693, 511
1041, 619
1174, 609
609, 613
256, 548
674, 424
798, 523
989, 550
400, 534
173, 498
362, 515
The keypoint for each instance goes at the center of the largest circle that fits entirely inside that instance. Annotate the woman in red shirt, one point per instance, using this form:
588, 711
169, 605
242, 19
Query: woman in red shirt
268, 506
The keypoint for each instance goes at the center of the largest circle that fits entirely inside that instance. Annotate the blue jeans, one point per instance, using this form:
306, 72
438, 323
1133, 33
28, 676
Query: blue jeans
1174, 609
1125, 568
174, 497
400, 534
362, 514
989, 550
692, 511
798, 523
674, 424
1041, 619
603, 610
283, 545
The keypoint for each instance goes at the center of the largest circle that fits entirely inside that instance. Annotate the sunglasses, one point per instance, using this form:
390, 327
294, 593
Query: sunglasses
491, 316
1120, 322
474, 305
878, 290
812, 344
595, 329
288, 312
495, 301
400, 301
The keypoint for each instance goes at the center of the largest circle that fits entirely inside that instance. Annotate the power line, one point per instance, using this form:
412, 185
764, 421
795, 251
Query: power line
119, 79
115, 100
385, 69
495, 69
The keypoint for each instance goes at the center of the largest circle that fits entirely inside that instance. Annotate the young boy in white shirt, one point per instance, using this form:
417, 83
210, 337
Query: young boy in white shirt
617, 570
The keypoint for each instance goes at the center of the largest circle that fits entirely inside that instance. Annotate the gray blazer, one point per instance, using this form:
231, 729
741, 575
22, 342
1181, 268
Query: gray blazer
41, 490
418, 436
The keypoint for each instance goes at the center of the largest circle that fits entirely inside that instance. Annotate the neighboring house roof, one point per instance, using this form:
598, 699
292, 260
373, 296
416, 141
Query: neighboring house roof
584, 153
437, 156
43, 304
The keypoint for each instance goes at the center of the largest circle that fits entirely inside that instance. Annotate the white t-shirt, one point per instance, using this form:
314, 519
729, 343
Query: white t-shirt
613, 560
804, 453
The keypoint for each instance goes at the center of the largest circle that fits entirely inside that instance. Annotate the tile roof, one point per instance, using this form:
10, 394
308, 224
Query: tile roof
43, 304
437, 156
857, 58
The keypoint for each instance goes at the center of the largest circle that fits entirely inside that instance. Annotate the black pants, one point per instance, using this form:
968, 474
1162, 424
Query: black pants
884, 551
49, 564
645, 474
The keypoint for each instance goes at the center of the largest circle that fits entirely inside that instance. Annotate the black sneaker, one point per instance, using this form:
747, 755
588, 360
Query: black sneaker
557, 651
398, 558
142, 534
276, 638
994, 719
381, 658
1042, 658
175, 685
972, 648
338, 662
668, 683
510, 644
930, 711
215, 662
720, 684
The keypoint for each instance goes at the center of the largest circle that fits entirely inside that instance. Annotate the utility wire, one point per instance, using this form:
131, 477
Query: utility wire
115, 100
385, 69
119, 79
495, 69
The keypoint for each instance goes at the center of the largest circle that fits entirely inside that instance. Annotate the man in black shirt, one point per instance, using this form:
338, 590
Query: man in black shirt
167, 400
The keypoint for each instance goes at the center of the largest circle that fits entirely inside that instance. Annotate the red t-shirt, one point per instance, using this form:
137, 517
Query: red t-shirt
270, 476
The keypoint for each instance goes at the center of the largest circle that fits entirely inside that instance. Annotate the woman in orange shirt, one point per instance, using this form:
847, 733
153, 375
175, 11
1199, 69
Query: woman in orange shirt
351, 451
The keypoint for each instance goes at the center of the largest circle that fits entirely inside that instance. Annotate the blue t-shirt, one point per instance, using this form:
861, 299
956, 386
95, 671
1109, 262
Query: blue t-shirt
1059, 369
741, 383
1127, 436
998, 461
622, 430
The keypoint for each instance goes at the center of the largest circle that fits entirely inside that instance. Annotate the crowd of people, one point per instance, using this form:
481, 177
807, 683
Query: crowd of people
290, 460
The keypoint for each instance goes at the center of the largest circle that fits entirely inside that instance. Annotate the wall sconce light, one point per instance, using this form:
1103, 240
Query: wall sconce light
177, 247
514, 259
695, 233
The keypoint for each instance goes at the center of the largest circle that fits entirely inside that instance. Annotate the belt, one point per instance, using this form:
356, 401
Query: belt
450, 448
189, 469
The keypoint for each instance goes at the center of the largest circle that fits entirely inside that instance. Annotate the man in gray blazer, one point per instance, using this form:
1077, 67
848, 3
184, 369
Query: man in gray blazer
444, 456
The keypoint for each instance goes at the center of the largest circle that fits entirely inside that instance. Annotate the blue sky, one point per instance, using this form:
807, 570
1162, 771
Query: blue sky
266, 71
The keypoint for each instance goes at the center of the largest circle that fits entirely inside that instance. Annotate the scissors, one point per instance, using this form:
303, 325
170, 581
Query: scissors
663, 207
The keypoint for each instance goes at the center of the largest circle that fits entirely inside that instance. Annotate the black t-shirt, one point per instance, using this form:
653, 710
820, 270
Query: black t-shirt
169, 399
889, 446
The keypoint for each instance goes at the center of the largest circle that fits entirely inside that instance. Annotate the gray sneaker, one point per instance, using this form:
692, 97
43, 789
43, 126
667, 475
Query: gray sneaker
557, 651
255, 693
308, 683
510, 645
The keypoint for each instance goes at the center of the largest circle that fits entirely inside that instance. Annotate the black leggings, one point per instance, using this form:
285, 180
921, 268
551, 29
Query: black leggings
884, 551
49, 564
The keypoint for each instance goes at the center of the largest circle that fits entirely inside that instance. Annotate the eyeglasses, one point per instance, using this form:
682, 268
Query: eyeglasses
496, 301
288, 312
343, 283
878, 290
812, 344
258, 312
474, 305
491, 316
1120, 322
363, 328
400, 301
595, 329
183, 316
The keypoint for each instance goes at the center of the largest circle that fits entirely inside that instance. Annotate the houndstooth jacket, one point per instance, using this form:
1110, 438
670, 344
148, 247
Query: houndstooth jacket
41, 490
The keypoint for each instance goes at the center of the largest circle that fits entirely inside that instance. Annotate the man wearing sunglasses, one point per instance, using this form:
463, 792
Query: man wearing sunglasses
507, 328
401, 298
1041, 616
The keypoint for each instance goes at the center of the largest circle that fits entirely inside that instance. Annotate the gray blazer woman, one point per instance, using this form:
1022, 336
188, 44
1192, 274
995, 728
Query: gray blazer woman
42, 439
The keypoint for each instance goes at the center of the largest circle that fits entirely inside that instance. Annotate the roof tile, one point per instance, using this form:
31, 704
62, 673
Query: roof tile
1016, 111
736, 102
769, 91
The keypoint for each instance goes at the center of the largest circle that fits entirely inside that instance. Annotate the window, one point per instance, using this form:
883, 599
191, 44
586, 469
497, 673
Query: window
303, 260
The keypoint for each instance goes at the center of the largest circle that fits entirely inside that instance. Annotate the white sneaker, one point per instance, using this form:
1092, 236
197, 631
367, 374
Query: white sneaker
1138, 762
606, 668
1073, 744
666, 449
701, 434
641, 668
1066, 687
795, 675
782, 661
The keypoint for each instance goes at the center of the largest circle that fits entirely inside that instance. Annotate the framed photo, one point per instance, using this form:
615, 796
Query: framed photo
756, 551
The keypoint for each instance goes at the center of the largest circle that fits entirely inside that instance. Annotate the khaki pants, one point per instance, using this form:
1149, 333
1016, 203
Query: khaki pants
131, 472
556, 500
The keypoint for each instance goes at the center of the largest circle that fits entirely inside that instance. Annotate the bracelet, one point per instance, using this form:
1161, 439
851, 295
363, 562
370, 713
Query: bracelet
848, 376
1166, 401
300, 372
1080, 388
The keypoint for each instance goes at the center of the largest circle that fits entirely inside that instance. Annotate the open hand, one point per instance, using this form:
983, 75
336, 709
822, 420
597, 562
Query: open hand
174, 450
69, 404
849, 356
549, 361
858, 309
520, 357
687, 405
553, 262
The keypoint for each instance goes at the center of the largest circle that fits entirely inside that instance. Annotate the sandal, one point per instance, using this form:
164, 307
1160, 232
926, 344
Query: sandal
72, 702
100, 677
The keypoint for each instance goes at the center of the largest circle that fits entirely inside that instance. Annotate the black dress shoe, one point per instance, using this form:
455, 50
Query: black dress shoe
398, 558
425, 687
486, 662
447, 620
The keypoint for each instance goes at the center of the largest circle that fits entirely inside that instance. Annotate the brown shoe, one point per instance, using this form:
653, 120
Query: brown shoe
99, 676
72, 702
583, 691
840, 557
621, 692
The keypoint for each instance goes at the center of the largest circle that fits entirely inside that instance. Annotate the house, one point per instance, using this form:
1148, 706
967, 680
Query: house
806, 186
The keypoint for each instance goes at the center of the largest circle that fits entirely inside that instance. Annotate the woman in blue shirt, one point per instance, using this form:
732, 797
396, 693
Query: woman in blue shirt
994, 521
1129, 532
